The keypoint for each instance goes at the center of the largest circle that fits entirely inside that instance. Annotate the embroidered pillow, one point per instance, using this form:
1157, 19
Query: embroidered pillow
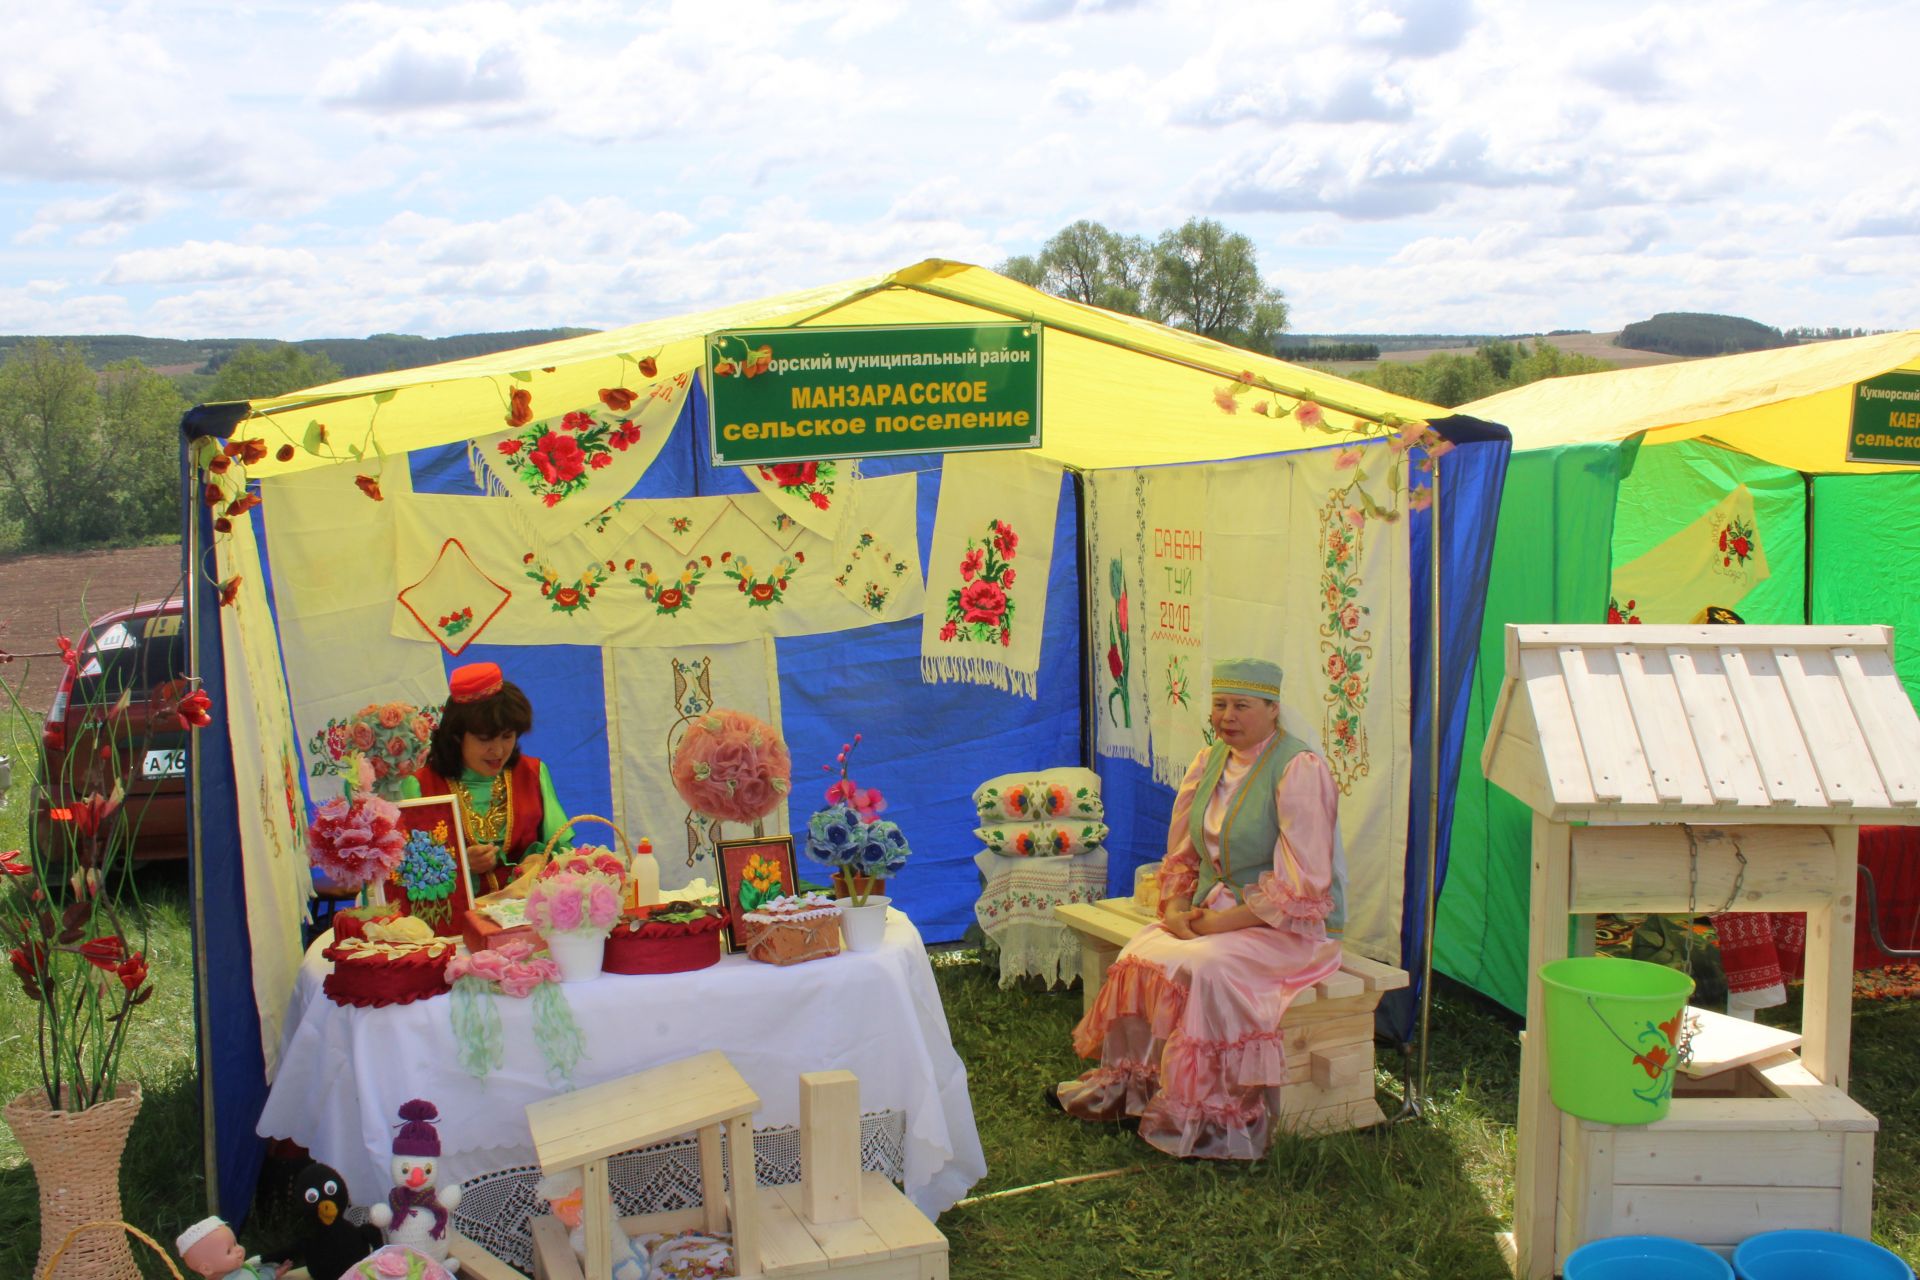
1065, 793
1042, 839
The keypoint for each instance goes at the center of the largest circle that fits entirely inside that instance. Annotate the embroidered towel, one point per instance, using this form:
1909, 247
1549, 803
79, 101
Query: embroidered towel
1717, 559
1116, 558
1176, 669
987, 586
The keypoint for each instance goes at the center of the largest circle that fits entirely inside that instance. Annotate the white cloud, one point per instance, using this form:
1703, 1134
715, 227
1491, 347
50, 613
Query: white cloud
198, 260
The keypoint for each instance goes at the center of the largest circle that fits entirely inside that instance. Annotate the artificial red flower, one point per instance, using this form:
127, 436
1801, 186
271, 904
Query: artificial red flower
230, 590
252, 451
133, 971
212, 496
723, 368
648, 367
231, 448
30, 963
369, 486
219, 463
982, 601
195, 710
222, 525
520, 407
104, 952
762, 361
1307, 414
1260, 407
284, 453
91, 814
618, 399
13, 863
68, 654
510, 447
243, 504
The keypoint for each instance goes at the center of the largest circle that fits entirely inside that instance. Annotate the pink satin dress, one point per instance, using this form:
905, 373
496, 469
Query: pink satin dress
1187, 1031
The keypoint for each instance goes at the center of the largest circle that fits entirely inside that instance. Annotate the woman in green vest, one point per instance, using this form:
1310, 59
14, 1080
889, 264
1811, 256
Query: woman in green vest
1187, 1025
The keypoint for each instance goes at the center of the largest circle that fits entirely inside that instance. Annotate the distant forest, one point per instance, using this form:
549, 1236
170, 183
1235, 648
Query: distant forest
1694, 333
353, 356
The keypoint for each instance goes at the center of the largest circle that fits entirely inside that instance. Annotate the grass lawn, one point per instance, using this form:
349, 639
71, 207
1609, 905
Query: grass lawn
1417, 1200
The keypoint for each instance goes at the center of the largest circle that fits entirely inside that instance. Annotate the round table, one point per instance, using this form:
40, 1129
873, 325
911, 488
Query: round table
344, 1072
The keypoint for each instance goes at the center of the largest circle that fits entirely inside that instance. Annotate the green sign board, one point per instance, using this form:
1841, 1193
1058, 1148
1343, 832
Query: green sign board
795, 395
1886, 420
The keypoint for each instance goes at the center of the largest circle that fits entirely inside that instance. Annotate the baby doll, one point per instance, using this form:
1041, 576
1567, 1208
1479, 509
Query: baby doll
210, 1250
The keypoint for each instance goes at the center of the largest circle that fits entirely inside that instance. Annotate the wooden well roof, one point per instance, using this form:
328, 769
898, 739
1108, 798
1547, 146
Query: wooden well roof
1726, 723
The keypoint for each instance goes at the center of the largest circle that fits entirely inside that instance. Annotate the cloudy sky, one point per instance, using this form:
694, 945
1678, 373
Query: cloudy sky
282, 169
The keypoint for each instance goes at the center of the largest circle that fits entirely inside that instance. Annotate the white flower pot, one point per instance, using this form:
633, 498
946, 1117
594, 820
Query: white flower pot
579, 954
865, 926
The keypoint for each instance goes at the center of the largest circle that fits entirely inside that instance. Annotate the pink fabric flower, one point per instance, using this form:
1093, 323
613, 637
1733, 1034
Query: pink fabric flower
393, 715
1346, 459
732, 767
564, 911
603, 905
363, 736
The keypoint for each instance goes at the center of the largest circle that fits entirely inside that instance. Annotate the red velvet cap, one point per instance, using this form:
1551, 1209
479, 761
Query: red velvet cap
474, 681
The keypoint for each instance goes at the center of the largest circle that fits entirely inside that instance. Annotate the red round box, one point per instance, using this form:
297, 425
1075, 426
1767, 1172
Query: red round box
658, 946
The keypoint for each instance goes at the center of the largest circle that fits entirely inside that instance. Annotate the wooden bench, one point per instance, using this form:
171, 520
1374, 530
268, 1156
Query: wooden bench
1327, 1030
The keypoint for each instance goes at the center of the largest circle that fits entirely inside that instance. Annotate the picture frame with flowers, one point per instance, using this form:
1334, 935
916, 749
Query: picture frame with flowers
752, 872
431, 881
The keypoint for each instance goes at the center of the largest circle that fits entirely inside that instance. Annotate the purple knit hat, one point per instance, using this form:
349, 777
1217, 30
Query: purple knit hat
417, 1136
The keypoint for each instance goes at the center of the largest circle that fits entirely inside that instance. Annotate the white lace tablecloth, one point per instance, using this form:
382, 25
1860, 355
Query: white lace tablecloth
1015, 909
344, 1072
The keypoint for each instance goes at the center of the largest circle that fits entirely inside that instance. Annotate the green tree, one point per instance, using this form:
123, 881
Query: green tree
85, 458
1088, 263
1450, 380
1207, 279
253, 373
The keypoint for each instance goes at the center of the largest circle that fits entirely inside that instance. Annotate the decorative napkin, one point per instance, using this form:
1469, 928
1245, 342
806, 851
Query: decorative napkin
1116, 559
455, 601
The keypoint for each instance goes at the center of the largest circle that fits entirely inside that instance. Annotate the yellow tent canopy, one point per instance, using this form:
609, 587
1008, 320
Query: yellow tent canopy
1105, 405
1790, 407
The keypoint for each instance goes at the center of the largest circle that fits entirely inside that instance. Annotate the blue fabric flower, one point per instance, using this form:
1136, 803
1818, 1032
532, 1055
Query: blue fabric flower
834, 836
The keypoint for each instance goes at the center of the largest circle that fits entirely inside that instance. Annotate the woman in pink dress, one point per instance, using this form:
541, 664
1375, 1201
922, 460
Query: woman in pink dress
1187, 1025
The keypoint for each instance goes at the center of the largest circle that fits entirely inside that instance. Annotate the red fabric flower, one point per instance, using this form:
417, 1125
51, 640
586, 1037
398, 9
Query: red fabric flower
618, 399
230, 590
223, 525
13, 863
559, 458
787, 474
284, 453
510, 447
648, 366
566, 597
369, 486
219, 463
91, 814
212, 496
723, 368
761, 361
243, 504
195, 710
520, 410
104, 953
68, 654
252, 451
133, 971
982, 601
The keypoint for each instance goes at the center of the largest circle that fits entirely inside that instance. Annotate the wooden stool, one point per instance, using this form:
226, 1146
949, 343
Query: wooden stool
1327, 1031
836, 1221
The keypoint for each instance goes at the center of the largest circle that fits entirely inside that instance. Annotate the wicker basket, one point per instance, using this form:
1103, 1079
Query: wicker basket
793, 938
76, 1161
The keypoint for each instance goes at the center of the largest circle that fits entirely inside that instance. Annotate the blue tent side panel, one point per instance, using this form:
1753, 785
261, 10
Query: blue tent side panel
1471, 478
927, 746
233, 1068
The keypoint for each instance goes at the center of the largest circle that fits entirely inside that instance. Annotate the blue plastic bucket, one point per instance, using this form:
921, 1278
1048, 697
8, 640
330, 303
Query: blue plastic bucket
1815, 1255
1645, 1258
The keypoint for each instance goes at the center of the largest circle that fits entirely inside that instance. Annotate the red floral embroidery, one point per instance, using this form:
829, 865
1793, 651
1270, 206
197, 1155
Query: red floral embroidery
982, 609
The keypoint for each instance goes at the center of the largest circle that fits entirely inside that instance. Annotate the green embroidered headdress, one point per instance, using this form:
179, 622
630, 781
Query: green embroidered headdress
1255, 676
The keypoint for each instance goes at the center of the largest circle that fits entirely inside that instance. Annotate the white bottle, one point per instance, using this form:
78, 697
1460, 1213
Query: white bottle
643, 881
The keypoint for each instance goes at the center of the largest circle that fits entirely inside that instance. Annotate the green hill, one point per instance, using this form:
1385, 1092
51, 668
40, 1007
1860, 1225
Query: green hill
1694, 333
355, 356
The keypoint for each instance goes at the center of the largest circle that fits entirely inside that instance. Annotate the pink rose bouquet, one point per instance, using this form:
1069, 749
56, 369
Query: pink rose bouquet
732, 767
577, 893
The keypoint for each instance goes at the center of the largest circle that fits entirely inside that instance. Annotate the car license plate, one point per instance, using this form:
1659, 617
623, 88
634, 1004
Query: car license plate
165, 764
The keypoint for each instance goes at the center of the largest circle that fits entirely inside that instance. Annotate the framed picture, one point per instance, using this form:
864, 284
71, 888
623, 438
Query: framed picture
431, 884
752, 871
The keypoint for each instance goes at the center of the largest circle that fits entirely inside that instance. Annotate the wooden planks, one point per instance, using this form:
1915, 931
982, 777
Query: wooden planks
1721, 1043
649, 1106
1646, 869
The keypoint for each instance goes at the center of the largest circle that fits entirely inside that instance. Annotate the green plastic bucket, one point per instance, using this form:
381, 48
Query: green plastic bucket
1612, 1032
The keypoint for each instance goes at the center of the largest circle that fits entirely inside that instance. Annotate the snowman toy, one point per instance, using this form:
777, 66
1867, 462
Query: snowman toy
416, 1213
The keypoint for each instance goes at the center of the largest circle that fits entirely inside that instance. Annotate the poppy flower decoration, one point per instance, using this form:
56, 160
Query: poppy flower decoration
555, 458
670, 595
980, 610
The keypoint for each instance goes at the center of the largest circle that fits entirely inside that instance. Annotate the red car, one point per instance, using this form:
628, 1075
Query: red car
140, 652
